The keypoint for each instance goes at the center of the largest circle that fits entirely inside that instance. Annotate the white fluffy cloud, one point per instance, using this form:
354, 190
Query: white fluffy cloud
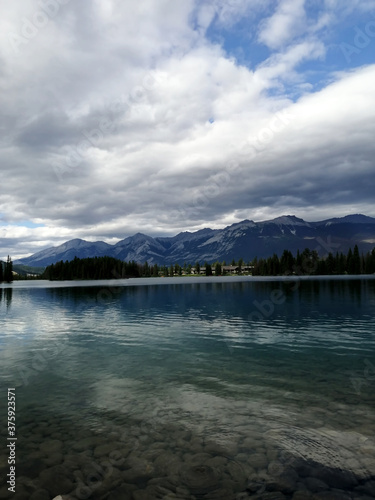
285, 24
118, 117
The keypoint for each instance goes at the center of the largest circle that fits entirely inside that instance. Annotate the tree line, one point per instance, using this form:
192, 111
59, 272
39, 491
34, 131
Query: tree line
309, 262
112, 268
91, 268
6, 271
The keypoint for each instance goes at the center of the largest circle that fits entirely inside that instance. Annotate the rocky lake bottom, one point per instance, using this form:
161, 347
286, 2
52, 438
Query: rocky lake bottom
249, 456
178, 393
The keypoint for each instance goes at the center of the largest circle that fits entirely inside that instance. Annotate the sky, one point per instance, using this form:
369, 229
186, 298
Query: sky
118, 117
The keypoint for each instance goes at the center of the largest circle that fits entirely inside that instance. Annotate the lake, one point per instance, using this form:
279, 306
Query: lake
190, 388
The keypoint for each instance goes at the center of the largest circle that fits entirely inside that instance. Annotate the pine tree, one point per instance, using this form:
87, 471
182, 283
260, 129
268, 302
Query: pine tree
350, 262
1, 272
217, 269
298, 260
330, 263
146, 270
371, 268
208, 269
371, 265
342, 264
286, 262
356, 261
8, 273
322, 267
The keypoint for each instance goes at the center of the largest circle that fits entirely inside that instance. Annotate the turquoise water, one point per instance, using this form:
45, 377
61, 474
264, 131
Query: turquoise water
190, 388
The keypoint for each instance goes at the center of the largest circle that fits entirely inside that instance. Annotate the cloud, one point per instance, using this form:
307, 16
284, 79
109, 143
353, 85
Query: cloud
283, 66
228, 14
118, 117
284, 25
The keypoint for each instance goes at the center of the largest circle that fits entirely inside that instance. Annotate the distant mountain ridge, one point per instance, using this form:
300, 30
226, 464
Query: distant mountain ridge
246, 239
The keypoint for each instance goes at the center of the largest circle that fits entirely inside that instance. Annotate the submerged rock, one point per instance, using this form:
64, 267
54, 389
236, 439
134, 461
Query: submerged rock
43, 495
200, 479
56, 480
51, 446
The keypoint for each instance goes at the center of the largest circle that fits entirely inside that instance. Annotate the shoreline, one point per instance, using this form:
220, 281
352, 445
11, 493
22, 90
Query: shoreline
182, 280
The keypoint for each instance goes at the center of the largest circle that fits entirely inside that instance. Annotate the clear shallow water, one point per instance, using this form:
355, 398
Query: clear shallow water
194, 389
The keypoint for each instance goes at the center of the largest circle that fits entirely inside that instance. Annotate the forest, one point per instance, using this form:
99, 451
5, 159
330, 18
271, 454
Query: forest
91, 268
307, 262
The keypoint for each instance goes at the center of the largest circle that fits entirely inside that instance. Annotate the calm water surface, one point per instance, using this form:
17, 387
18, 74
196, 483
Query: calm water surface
190, 389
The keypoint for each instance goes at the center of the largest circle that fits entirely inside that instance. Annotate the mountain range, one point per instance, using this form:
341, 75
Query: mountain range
246, 239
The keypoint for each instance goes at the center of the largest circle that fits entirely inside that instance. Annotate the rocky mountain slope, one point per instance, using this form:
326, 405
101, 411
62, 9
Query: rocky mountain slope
246, 239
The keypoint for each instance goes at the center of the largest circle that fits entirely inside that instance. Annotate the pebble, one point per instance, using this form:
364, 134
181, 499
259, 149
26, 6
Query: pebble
315, 485
167, 463
31, 468
332, 495
43, 495
218, 461
272, 454
368, 488
258, 461
56, 480
302, 495
282, 484
51, 446
87, 443
108, 480
197, 458
251, 444
139, 473
53, 459
219, 494
123, 492
336, 479
105, 450
144, 495
269, 496
217, 449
